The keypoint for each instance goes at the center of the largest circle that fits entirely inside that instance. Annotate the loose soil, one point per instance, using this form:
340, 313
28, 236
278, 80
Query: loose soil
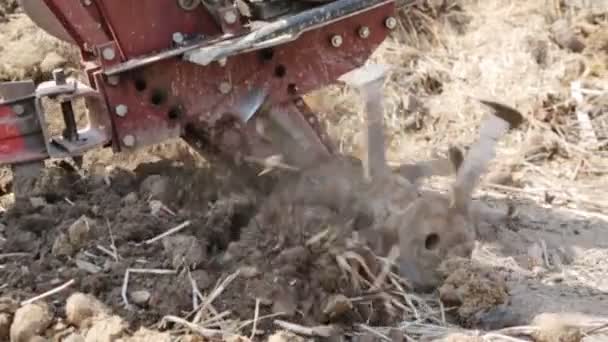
281, 255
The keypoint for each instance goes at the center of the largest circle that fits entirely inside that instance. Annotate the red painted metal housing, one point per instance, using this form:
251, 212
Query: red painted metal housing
167, 98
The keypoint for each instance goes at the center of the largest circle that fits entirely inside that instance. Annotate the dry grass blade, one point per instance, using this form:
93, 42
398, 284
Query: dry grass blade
167, 233
125, 283
48, 293
318, 331
214, 294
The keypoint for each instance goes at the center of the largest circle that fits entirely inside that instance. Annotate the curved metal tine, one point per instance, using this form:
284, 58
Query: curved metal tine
369, 80
435, 167
493, 127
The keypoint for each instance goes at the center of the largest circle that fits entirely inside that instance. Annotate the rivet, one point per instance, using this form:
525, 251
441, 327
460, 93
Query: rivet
108, 53
113, 80
121, 110
178, 37
18, 109
230, 17
225, 87
336, 41
364, 32
390, 23
128, 140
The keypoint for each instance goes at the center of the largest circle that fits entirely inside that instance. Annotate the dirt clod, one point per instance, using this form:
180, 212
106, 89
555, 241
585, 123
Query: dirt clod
184, 249
554, 328
106, 329
473, 288
29, 321
79, 232
565, 36
81, 307
141, 297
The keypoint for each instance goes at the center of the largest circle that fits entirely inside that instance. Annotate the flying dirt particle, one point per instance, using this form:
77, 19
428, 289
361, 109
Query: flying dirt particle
62, 246
284, 336
79, 232
473, 288
249, 272
37, 202
74, 338
202, 278
337, 305
30, 320
555, 328
130, 199
184, 249
156, 187
141, 297
145, 335
80, 307
106, 329
5, 326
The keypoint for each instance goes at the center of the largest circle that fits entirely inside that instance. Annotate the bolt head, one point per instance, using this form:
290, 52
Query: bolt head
18, 109
390, 23
230, 17
364, 32
178, 37
128, 140
108, 53
336, 41
87, 2
225, 87
121, 110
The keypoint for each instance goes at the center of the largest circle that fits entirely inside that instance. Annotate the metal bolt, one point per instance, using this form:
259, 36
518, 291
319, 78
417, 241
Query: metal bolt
113, 80
87, 2
128, 140
178, 38
18, 109
225, 87
121, 110
230, 17
108, 53
390, 23
364, 32
336, 41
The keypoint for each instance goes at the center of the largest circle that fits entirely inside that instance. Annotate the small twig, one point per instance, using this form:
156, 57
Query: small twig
255, 318
215, 293
318, 331
13, 255
167, 233
108, 252
48, 293
69, 202
204, 332
374, 332
115, 255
